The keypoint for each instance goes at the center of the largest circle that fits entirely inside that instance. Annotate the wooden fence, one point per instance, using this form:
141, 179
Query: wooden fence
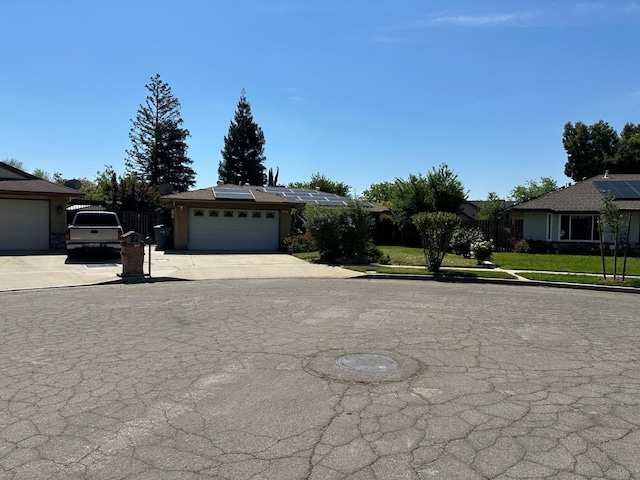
500, 231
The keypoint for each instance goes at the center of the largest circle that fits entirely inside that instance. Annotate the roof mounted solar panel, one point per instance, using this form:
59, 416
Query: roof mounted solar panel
620, 189
225, 193
309, 195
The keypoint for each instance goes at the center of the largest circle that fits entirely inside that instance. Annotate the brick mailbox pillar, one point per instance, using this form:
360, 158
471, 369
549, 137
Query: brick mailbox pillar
132, 255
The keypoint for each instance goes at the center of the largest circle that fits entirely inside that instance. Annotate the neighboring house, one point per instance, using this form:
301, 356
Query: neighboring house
32, 211
238, 218
567, 217
471, 209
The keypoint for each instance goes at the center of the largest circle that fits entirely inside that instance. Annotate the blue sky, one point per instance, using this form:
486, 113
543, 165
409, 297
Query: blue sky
360, 91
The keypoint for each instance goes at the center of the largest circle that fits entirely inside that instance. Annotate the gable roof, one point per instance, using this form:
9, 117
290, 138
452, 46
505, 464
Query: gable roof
14, 181
580, 197
294, 196
207, 195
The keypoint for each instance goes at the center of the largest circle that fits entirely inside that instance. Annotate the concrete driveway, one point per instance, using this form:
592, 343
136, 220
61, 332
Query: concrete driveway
19, 271
239, 379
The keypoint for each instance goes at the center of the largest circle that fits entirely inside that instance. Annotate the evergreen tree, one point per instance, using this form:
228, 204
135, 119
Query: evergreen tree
243, 154
158, 151
273, 181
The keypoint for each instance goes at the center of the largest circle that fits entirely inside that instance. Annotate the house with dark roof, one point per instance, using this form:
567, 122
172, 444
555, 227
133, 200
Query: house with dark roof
32, 211
239, 218
471, 209
567, 217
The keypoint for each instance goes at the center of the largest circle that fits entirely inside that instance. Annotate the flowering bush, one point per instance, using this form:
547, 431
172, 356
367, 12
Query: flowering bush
299, 243
529, 246
520, 246
462, 240
482, 251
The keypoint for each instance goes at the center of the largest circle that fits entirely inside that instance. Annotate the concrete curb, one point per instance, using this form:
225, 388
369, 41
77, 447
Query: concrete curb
501, 281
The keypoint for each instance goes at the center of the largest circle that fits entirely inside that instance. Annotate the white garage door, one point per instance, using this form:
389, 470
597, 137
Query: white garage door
24, 224
233, 230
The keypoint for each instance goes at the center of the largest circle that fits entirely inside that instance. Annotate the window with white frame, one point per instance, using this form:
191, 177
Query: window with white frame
549, 226
583, 228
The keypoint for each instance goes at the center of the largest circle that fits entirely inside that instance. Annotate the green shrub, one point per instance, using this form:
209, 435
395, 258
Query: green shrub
463, 238
482, 251
342, 231
436, 231
299, 243
375, 255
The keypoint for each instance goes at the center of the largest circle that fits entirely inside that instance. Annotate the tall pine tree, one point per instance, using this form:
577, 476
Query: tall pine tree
158, 151
243, 153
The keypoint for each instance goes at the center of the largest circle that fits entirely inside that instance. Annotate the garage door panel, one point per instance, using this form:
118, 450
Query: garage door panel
233, 233
24, 224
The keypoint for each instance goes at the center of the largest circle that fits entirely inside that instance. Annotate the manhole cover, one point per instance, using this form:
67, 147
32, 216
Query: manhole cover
367, 362
362, 367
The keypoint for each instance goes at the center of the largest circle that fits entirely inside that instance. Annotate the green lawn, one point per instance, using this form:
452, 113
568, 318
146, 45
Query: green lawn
414, 256
519, 261
405, 256
577, 278
563, 263
423, 271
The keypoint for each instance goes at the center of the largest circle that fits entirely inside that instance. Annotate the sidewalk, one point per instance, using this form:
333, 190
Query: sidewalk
55, 270
519, 279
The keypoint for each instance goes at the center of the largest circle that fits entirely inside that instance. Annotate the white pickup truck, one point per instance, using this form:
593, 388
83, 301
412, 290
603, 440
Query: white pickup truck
94, 231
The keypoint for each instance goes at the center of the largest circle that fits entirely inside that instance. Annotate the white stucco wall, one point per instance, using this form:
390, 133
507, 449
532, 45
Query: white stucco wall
534, 225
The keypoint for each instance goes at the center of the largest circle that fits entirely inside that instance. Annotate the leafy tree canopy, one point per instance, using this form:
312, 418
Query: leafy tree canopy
324, 184
132, 194
15, 163
627, 157
44, 175
440, 190
533, 189
158, 151
243, 153
445, 191
492, 208
593, 149
382, 193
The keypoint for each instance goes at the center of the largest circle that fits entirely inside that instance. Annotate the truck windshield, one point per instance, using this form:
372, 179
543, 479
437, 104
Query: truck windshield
96, 219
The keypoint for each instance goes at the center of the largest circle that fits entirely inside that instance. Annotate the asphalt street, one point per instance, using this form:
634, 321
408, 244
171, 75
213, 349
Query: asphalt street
240, 379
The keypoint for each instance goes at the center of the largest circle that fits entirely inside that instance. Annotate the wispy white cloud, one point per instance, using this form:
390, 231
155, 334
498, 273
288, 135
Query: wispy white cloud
631, 8
588, 6
484, 20
587, 12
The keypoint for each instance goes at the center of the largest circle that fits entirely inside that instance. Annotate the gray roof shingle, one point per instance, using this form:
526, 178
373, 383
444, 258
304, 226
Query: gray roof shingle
14, 181
206, 194
580, 197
